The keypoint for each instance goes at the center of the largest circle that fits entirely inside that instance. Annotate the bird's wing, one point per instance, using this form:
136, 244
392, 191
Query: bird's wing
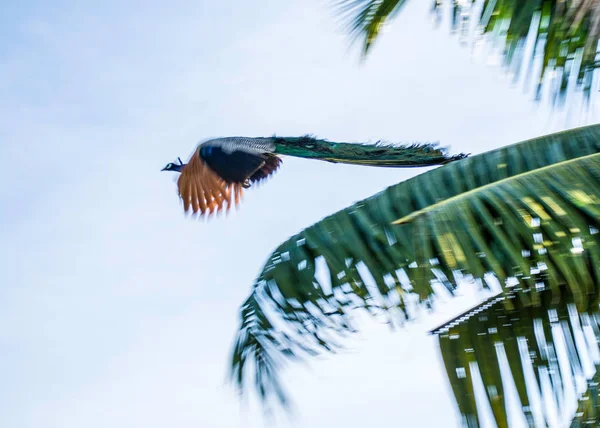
233, 165
272, 164
203, 190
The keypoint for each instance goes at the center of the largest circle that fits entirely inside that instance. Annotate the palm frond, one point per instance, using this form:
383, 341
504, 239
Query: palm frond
564, 34
553, 339
366, 18
529, 213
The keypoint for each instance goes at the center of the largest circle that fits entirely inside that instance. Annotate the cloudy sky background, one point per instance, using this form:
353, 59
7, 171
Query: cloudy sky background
115, 310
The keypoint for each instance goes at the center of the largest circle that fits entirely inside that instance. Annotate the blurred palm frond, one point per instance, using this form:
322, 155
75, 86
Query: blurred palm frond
526, 215
557, 38
545, 358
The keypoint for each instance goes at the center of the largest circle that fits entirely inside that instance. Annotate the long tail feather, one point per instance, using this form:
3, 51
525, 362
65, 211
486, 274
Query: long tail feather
378, 154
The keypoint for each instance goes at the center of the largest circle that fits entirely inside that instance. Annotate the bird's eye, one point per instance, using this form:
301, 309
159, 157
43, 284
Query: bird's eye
169, 166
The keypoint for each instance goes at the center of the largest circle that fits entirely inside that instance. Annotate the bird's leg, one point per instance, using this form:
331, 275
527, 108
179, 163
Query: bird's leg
246, 183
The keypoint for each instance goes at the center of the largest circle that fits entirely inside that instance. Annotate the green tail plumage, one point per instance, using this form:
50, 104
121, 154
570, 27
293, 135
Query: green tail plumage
378, 154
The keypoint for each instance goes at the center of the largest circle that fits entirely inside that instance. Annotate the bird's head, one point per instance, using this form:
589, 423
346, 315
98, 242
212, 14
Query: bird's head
173, 166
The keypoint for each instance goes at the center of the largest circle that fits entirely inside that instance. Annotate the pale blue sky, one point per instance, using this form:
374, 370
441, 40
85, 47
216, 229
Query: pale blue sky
115, 310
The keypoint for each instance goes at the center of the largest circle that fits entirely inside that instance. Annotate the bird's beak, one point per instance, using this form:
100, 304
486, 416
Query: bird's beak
164, 169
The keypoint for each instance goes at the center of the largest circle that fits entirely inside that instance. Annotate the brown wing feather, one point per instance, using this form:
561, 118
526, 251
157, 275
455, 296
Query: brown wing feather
272, 164
203, 190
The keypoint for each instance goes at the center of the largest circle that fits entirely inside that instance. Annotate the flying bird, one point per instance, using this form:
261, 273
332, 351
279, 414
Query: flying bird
219, 169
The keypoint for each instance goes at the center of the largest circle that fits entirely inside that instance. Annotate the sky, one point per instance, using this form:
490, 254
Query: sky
117, 310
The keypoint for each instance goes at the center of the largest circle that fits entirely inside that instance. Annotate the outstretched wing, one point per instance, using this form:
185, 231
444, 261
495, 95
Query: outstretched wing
203, 190
272, 163
233, 166
236, 163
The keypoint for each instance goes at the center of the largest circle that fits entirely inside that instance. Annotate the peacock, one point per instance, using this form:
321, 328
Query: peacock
219, 169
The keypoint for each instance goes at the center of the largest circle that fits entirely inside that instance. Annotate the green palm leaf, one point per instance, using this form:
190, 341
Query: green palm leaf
366, 18
489, 337
564, 34
529, 213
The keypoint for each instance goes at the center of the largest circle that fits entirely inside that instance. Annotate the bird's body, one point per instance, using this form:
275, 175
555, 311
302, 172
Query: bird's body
237, 160
219, 169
